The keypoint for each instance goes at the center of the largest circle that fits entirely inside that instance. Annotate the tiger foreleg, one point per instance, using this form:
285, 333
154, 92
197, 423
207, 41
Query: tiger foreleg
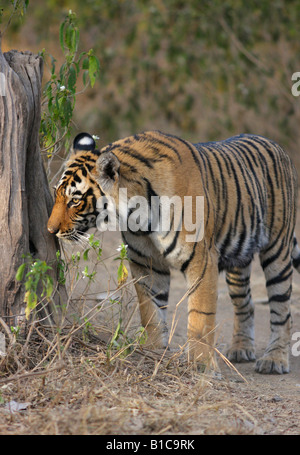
152, 288
202, 302
153, 318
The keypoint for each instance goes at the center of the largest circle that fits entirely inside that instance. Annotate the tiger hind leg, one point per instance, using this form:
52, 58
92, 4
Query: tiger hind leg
277, 266
242, 348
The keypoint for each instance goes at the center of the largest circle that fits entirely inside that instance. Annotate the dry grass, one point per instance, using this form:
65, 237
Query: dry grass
68, 385
69, 382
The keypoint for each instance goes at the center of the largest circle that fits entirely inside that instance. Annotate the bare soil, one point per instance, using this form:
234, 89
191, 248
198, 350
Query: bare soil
68, 386
260, 404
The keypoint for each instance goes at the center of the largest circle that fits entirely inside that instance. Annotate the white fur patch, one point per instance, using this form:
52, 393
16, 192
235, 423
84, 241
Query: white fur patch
86, 140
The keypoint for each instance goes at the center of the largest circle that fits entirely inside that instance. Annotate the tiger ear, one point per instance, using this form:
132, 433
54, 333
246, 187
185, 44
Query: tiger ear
84, 141
107, 171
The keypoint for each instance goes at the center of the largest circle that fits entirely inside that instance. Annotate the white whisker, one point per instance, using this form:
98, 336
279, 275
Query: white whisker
78, 237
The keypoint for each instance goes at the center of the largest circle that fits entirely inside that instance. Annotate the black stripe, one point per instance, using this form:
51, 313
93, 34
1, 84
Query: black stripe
191, 149
89, 192
137, 252
188, 261
198, 281
193, 310
150, 268
89, 166
164, 296
172, 245
131, 168
150, 191
240, 296
243, 236
272, 258
77, 178
280, 278
157, 150
266, 145
258, 155
165, 144
157, 295
245, 304
68, 173
238, 285
281, 297
281, 322
249, 314
135, 155
226, 242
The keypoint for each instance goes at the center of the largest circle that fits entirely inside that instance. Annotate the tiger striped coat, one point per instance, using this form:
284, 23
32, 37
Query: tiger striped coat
249, 188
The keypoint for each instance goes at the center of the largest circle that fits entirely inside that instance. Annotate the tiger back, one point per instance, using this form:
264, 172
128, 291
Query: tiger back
248, 187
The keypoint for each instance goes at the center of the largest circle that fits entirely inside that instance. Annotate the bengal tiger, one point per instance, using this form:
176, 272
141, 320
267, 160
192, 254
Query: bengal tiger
249, 187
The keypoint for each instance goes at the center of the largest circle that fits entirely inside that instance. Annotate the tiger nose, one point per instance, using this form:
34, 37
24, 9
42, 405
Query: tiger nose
53, 230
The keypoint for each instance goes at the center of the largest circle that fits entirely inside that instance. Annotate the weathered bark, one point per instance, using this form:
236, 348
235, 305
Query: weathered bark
25, 198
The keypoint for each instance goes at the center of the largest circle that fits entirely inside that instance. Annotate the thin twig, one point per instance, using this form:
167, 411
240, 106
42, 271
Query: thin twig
19, 377
54, 143
7, 330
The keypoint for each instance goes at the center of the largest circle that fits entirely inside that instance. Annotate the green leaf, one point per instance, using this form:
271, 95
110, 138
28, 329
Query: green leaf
122, 274
61, 36
93, 69
72, 79
71, 38
85, 254
84, 77
20, 272
85, 64
49, 289
117, 332
75, 40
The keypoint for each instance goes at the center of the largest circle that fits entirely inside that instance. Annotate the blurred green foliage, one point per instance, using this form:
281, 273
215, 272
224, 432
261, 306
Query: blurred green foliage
200, 69
10, 9
60, 91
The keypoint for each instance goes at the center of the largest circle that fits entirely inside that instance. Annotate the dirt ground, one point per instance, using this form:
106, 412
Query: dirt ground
73, 389
264, 404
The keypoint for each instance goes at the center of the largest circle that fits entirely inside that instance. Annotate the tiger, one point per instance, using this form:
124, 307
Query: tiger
249, 188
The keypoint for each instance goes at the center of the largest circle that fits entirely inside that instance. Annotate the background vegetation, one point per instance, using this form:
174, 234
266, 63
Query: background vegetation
203, 70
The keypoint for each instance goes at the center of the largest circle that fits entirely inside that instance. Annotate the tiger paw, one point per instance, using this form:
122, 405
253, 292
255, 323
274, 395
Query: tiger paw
202, 357
276, 363
241, 353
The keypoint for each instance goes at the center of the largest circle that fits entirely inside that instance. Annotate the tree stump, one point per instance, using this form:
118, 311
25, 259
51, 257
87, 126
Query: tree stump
25, 198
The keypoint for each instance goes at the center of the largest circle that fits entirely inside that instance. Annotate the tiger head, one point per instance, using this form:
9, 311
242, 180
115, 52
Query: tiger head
77, 192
